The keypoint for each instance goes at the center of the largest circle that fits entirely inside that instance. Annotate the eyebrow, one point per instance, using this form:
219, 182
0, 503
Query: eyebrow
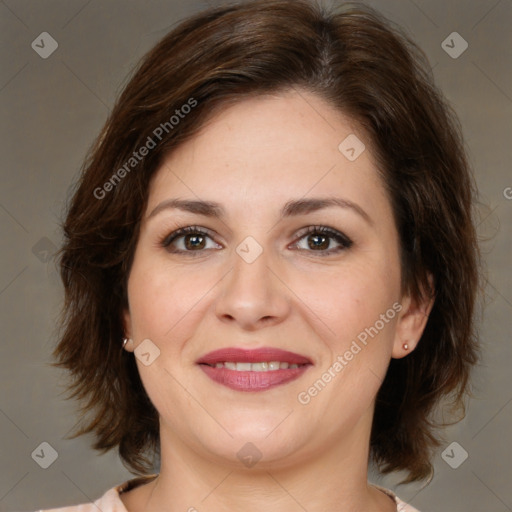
290, 209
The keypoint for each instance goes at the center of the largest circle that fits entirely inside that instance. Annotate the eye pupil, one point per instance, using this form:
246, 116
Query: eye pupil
194, 241
322, 242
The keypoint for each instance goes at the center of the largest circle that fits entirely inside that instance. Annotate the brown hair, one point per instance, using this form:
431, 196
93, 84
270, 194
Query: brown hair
364, 67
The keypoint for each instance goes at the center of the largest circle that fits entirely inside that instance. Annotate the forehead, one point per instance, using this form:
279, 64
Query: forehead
271, 148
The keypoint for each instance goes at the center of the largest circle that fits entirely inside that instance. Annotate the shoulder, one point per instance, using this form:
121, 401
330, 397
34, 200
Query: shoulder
109, 502
401, 506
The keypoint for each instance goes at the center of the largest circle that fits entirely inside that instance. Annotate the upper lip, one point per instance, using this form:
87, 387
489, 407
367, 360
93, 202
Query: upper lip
239, 355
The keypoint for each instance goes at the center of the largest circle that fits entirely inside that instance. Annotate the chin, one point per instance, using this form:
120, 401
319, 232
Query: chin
258, 423
268, 438
254, 453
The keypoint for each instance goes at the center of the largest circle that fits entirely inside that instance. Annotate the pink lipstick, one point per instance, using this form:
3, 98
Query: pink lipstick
253, 370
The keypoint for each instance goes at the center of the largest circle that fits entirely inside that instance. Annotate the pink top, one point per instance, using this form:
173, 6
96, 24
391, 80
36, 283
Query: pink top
111, 502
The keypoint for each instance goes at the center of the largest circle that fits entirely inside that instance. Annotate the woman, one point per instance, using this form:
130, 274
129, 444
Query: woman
271, 266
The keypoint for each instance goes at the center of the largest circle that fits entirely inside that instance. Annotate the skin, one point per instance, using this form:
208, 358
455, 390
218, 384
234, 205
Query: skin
253, 158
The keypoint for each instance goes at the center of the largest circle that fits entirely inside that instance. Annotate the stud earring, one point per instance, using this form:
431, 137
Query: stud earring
405, 346
125, 341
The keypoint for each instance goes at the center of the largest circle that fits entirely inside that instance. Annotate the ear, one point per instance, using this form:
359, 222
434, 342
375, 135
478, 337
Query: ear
127, 329
412, 320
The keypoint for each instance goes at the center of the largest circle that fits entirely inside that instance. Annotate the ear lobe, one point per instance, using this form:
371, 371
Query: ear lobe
412, 321
127, 331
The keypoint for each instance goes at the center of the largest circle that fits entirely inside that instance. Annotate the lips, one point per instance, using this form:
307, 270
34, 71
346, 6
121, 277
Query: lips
239, 355
253, 370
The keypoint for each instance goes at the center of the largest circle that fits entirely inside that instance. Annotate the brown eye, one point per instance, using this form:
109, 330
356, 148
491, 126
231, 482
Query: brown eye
318, 242
188, 240
320, 239
194, 242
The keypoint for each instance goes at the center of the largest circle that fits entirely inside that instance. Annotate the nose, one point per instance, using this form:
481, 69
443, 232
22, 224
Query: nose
253, 295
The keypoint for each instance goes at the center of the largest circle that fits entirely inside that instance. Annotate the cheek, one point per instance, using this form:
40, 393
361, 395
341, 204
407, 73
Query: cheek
165, 299
350, 299
359, 303
165, 306
358, 309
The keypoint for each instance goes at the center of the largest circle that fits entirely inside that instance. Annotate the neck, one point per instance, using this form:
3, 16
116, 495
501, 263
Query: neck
334, 479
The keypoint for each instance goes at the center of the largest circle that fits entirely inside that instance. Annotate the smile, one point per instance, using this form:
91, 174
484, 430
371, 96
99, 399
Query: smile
257, 367
253, 370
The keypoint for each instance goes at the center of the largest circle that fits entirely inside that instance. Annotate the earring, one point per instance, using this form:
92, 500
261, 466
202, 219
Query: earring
125, 341
405, 346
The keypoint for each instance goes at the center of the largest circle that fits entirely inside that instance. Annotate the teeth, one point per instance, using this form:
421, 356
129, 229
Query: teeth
264, 366
259, 367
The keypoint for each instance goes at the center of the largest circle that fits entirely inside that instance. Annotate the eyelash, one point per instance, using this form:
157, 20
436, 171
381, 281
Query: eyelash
343, 240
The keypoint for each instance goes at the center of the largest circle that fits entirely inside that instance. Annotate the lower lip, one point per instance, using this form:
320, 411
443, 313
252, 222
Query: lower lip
252, 381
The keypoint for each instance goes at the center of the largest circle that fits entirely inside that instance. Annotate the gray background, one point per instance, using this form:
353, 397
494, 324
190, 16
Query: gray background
53, 108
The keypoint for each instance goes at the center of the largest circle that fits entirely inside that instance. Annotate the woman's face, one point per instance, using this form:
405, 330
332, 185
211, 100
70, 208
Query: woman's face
258, 272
